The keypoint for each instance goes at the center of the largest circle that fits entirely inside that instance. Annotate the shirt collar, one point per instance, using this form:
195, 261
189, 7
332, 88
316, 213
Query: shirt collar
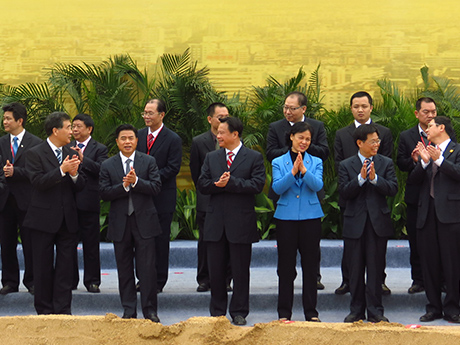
83, 142
124, 158
443, 145
421, 131
156, 132
362, 158
292, 123
53, 147
235, 150
357, 124
19, 136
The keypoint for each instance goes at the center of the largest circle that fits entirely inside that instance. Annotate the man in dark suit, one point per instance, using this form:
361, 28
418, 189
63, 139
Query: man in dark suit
345, 147
438, 219
295, 105
129, 181
166, 146
232, 176
365, 180
201, 145
407, 160
52, 215
91, 154
13, 148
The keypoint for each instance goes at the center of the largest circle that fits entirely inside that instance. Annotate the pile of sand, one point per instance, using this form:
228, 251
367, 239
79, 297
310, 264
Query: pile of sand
111, 329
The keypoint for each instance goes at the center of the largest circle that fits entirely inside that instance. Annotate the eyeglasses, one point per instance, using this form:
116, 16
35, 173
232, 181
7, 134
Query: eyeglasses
148, 113
375, 142
286, 108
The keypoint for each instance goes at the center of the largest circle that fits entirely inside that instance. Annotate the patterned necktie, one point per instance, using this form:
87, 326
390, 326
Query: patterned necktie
368, 167
150, 140
81, 146
230, 155
130, 201
59, 155
15, 147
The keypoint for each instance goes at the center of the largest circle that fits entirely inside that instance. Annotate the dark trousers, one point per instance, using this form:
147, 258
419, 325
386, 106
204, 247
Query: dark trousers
162, 249
416, 266
12, 218
202, 276
367, 259
439, 248
219, 254
346, 259
53, 278
135, 250
292, 236
89, 234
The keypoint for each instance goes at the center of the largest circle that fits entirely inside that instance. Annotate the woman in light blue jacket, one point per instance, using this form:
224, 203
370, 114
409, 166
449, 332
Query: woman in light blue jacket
297, 177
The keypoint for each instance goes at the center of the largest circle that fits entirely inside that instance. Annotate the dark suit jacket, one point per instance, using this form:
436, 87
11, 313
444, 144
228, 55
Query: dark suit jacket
3, 189
407, 142
446, 187
345, 146
167, 151
148, 185
95, 153
367, 200
53, 196
19, 184
276, 139
231, 209
201, 145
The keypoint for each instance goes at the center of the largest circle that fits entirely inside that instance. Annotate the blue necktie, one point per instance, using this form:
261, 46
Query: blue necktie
15, 147
81, 146
368, 167
59, 155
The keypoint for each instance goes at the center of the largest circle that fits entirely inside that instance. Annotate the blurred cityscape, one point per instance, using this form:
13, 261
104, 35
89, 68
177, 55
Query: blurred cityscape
241, 42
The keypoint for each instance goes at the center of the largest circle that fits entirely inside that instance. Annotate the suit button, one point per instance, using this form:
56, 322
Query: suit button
298, 196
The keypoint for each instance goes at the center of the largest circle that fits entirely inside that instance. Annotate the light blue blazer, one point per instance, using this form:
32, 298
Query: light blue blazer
298, 198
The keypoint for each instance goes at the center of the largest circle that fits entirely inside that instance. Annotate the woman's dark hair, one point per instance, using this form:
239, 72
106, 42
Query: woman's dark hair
298, 127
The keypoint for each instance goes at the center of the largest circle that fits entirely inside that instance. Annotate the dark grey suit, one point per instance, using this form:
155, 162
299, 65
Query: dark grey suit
438, 223
133, 235
17, 202
53, 199
231, 225
366, 228
167, 151
88, 206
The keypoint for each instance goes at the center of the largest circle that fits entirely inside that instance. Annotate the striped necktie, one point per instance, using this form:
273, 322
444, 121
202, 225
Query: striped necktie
230, 155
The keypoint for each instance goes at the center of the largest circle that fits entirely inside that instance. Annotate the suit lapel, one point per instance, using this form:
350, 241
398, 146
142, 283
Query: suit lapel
240, 157
50, 155
7, 148
159, 140
356, 164
209, 142
118, 167
449, 150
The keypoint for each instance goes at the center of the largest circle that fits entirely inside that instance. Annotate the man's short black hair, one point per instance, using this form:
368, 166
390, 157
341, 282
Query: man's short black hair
362, 132
125, 127
444, 120
86, 119
212, 108
55, 120
360, 94
301, 98
19, 111
418, 104
298, 127
234, 124
161, 105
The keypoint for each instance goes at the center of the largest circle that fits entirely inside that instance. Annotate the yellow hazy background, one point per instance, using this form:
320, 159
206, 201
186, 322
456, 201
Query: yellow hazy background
242, 42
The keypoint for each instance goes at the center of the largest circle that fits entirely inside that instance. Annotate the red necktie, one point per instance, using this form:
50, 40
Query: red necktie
229, 159
150, 139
